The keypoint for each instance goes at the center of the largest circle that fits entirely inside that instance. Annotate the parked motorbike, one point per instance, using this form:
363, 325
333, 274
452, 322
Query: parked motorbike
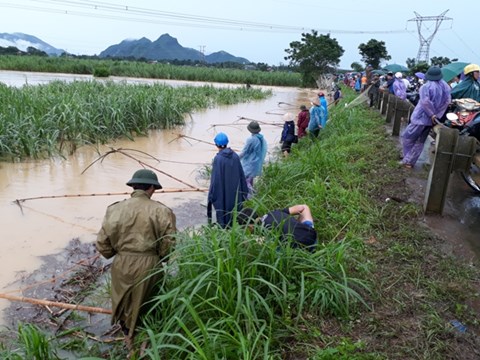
464, 115
412, 94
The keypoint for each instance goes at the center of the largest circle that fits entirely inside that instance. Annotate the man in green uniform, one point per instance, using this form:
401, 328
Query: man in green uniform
139, 232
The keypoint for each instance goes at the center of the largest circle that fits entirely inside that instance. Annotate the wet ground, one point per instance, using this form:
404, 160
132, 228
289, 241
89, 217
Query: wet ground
459, 224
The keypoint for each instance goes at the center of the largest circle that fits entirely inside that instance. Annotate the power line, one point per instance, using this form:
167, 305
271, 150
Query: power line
189, 20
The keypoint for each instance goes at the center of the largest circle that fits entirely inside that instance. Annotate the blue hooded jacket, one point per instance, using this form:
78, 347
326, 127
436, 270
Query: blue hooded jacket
228, 187
253, 155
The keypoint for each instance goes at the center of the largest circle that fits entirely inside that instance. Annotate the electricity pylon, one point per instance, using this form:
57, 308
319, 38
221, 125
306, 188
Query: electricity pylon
424, 50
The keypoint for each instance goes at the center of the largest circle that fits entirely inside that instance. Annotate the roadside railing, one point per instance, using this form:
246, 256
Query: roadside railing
396, 110
453, 153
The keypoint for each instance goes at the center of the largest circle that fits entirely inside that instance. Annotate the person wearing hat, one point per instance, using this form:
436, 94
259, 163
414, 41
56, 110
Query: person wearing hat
228, 186
373, 91
468, 87
317, 117
433, 102
399, 88
253, 155
388, 85
288, 133
303, 118
139, 234
323, 103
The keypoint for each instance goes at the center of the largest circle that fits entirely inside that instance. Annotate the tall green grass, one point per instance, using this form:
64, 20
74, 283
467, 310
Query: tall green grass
146, 70
32, 344
232, 297
231, 294
52, 119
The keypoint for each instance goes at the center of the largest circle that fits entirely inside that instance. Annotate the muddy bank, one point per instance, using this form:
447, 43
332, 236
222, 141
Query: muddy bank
77, 275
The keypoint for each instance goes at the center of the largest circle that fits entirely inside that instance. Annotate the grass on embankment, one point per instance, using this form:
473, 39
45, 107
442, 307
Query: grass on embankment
377, 288
54, 119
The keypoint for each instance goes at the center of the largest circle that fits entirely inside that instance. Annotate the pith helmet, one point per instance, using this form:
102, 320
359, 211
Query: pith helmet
145, 176
470, 68
254, 127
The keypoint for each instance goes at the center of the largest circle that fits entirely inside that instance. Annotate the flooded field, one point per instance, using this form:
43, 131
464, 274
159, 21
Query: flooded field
38, 227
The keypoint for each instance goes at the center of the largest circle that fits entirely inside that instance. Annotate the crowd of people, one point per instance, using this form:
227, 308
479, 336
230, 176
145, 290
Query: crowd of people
435, 95
139, 233
432, 96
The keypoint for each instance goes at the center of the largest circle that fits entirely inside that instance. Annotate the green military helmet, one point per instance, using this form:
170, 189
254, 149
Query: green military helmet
145, 176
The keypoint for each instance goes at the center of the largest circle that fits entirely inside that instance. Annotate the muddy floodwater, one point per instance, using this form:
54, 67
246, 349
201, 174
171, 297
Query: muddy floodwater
39, 227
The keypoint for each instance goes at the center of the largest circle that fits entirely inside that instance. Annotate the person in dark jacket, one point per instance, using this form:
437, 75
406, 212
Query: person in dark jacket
294, 225
373, 92
389, 83
228, 186
288, 133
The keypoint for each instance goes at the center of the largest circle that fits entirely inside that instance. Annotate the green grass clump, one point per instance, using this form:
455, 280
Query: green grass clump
32, 344
234, 296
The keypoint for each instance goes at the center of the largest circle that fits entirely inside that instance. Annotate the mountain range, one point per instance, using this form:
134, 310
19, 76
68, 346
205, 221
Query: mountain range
165, 47
24, 41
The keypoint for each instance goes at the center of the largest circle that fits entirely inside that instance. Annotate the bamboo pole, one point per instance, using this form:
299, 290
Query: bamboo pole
162, 191
89, 309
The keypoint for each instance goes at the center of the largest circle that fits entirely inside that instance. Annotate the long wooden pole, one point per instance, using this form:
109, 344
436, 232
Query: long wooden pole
161, 191
89, 309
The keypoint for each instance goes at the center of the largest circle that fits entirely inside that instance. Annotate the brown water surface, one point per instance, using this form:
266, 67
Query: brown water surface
45, 226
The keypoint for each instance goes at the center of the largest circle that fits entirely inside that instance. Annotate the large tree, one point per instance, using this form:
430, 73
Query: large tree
314, 55
373, 52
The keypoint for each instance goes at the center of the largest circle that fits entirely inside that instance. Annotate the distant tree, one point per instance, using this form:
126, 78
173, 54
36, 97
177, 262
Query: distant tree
441, 61
33, 51
314, 55
420, 67
262, 66
373, 52
356, 66
10, 50
411, 62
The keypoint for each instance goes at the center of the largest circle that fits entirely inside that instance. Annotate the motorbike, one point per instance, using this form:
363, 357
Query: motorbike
464, 115
412, 94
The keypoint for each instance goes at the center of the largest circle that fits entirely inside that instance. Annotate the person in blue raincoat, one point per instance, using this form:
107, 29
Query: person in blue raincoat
317, 118
324, 104
253, 154
228, 186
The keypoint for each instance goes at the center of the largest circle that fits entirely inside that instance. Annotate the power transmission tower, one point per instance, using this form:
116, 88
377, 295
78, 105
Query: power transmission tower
202, 50
424, 50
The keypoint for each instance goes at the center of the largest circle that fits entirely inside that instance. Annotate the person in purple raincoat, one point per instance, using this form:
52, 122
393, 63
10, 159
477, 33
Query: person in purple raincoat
434, 100
399, 88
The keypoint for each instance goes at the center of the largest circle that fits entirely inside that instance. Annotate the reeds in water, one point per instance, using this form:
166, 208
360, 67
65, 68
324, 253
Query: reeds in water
48, 120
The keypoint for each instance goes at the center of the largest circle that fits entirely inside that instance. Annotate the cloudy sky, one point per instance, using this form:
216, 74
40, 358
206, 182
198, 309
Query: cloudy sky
257, 30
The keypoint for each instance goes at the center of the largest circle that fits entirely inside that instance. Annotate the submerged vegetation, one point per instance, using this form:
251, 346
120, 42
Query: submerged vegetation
47, 120
378, 287
148, 70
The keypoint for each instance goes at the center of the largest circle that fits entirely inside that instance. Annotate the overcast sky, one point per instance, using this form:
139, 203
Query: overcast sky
258, 30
